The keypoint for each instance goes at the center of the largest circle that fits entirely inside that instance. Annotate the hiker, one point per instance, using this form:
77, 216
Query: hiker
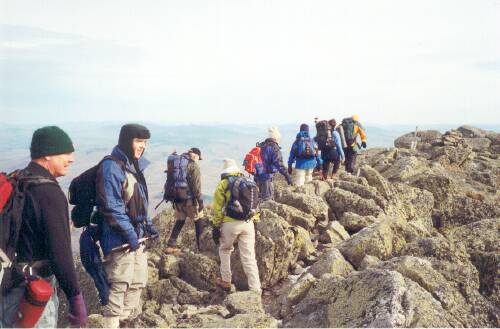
305, 151
231, 224
122, 203
44, 241
190, 206
352, 129
333, 154
273, 162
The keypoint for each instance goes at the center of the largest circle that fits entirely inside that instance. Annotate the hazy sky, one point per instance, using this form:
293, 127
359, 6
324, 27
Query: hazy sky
393, 62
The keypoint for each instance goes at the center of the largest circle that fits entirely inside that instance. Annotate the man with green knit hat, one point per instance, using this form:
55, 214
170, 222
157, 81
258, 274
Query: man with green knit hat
44, 242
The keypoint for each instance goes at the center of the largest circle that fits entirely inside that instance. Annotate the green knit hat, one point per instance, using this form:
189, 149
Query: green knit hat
50, 140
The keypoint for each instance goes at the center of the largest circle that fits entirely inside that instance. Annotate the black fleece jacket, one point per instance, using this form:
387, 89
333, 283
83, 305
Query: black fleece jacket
45, 233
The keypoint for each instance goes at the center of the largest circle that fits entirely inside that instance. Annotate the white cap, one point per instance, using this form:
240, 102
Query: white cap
274, 133
230, 167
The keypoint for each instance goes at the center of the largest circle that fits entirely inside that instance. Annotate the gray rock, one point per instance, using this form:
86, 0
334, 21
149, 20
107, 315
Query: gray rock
291, 214
334, 233
169, 266
307, 203
354, 223
199, 270
341, 201
245, 302
368, 262
471, 132
478, 144
332, 262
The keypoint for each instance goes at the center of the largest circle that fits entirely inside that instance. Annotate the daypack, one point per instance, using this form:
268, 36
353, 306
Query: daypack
340, 130
82, 193
305, 148
13, 189
176, 188
348, 126
253, 163
90, 256
324, 135
244, 198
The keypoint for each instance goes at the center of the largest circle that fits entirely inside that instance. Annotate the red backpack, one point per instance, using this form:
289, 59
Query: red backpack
253, 161
12, 197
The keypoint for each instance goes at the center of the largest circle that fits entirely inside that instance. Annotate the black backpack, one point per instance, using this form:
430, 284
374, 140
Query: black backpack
176, 188
348, 126
82, 193
324, 135
305, 148
244, 198
13, 188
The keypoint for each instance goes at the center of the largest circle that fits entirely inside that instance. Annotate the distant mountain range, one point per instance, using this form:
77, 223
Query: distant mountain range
94, 140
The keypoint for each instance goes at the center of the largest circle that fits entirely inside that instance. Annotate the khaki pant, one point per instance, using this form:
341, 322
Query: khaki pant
187, 209
244, 233
127, 274
302, 176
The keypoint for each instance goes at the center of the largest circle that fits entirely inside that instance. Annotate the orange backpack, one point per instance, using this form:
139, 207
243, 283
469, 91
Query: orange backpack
253, 161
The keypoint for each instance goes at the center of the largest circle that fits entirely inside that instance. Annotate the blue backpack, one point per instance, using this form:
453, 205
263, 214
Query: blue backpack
244, 198
176, 187
305, 148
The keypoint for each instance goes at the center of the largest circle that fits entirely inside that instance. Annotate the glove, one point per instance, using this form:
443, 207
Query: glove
363, 144
152, 231
77, 312
216, 235
200, 205
290, 170
133, 245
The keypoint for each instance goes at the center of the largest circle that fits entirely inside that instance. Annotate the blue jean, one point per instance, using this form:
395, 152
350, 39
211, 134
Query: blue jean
9, 305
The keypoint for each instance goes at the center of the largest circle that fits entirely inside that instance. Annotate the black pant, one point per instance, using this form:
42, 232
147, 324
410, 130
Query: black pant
350, 159
328, 157
179, 224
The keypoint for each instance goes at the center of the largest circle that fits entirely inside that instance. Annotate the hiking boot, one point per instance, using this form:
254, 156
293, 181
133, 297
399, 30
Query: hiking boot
223, 284
172, 250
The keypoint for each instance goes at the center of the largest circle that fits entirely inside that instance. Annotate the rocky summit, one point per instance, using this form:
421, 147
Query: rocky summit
411, 240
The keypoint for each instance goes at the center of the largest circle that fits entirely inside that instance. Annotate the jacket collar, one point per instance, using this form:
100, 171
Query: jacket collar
118, 153
302, 134
35, 169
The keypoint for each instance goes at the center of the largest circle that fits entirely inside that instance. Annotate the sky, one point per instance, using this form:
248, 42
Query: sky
272, 61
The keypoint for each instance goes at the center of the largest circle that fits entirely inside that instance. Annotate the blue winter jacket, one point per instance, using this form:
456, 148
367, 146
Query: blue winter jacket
272, 159
338, 148
310, 163
122, 201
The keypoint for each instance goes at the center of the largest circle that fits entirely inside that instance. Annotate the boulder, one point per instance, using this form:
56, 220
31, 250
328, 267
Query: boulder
291, 214
334, 233
471, 132
245, 302
368, 262
365, 192
354, 223
296, 293
371, 298
332, 262
375, 179
315, 187
383, 239
478, 144
341, 201
199, 270
311, 204
169, 266
302, 243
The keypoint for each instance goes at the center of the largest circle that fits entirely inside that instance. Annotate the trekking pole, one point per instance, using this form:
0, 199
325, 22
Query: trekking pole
127, 245
159, 204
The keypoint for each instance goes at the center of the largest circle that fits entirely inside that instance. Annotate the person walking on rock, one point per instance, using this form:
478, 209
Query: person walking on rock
44, 241
305, 152
186, 175
273, 162
232, 229
333, 154
352, 129
122, 203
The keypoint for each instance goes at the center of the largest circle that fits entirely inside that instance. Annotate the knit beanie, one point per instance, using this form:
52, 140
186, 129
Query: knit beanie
304, 127
127, 134
50, 140
274, 133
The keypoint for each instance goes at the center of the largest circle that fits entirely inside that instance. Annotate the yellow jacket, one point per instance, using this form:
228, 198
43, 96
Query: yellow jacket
358, 130
222, 195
